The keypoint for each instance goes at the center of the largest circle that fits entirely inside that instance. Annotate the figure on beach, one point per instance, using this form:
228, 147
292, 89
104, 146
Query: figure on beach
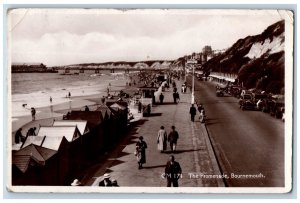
31, 132
106, 182
107, 90
50, 99
33, 112
193, 112
19, 137
162, 139
86, 108
172, 172
172, 138
69, 95
141, 147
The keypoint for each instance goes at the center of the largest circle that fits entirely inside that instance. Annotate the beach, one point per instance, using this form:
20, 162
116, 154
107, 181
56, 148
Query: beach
85, 90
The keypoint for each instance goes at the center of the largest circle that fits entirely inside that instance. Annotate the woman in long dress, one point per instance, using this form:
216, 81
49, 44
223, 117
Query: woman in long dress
162, 139
140, 153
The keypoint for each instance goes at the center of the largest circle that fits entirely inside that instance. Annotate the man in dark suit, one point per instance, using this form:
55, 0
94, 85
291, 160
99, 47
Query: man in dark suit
172, 172
106, 182
193, 111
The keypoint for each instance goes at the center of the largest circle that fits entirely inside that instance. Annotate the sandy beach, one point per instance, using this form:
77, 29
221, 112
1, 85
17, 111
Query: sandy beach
46, 115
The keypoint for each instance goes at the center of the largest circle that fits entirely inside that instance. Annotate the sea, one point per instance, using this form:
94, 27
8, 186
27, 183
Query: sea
35, 89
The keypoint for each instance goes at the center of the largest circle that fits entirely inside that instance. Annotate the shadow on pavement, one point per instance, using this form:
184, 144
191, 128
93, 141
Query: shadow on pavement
182, 151
167, 103
154, 114
150, 167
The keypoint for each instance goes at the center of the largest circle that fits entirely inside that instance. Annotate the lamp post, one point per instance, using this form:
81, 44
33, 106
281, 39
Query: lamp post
193, 62
185, 67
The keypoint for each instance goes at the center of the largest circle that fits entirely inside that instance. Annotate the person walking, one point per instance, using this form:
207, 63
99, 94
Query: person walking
162, 139
33, 112
172, 138
172, 172
193, 112
161, 98
140, 107
141, 147
148, 109
106, 182
50, 99
200, 107
175, 97
19, 137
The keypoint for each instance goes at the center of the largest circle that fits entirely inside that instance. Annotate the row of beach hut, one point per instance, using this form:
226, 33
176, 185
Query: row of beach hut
61, 152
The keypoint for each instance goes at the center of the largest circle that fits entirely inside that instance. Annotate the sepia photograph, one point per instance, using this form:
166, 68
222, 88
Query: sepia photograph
150, 100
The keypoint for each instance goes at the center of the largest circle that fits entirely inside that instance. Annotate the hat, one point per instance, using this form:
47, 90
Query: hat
75, 183
106, 175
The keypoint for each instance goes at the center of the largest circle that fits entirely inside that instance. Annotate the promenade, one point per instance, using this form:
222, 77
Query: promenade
194, 151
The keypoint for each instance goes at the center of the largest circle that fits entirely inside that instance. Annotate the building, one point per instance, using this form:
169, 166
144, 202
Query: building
28, 67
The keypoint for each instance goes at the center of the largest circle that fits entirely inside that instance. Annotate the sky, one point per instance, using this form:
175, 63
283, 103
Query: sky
58, 37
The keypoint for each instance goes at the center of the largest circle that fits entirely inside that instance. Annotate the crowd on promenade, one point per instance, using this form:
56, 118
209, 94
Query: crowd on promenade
173, 170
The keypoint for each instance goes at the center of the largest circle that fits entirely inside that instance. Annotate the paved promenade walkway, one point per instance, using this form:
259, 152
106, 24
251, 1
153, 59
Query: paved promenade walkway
194, 152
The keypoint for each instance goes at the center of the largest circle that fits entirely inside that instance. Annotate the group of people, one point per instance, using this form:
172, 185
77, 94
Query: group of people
201, 110
172, 170
163, 138
105, 182
19, 138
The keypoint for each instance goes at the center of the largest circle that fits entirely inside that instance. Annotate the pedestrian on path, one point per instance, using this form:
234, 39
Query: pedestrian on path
161, 98
33, 112
177, 97
106, 182
174, 97
140, 107
50, 99
162, 139
172, 138
172, 172
141, 147
193, 111
148, 109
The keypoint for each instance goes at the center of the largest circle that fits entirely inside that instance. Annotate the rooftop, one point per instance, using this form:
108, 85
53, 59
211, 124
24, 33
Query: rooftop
81, 124
69, 132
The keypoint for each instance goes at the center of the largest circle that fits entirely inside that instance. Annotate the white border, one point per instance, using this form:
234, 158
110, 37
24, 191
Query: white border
288, 140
